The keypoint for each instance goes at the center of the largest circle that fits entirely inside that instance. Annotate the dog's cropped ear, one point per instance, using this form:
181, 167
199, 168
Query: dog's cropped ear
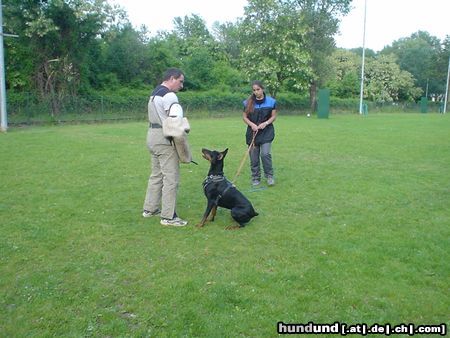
222, 154
206, 154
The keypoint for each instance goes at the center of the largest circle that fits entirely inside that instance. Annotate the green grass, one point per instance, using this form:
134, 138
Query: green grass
356, 230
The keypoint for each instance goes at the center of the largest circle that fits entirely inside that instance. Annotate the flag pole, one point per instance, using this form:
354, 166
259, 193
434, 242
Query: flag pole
361, 95
3, 114
446, 87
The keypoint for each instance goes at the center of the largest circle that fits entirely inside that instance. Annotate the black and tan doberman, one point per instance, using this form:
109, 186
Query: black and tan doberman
220, 192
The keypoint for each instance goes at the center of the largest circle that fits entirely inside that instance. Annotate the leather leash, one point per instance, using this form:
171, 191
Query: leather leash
245, 157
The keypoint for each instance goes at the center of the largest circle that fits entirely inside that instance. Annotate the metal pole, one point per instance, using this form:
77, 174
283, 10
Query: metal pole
4, 119
363, 61
446, 87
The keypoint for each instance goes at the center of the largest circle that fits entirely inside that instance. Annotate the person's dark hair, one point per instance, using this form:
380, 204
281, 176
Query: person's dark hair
258, 83
175, 72
252, 98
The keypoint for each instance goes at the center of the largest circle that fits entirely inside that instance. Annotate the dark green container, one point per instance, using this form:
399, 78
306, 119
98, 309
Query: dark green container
324, 104
423, 105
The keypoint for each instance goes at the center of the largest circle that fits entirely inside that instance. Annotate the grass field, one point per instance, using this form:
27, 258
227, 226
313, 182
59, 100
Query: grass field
356, 230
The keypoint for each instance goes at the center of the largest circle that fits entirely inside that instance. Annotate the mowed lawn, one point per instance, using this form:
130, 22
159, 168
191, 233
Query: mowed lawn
356, 230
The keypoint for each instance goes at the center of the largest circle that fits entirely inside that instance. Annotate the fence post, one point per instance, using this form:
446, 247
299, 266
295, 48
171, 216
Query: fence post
102, 107
365, 109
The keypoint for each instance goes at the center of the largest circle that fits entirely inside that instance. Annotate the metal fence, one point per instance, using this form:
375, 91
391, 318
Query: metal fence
30, 110
33, 111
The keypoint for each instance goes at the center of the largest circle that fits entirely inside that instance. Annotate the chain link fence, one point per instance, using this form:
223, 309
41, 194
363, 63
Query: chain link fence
74, 109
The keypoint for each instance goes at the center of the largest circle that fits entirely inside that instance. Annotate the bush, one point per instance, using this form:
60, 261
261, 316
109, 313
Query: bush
291, 103
211, 101
131, 103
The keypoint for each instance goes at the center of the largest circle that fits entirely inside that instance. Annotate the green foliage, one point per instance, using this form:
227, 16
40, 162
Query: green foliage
344, 78
73, 48
128, 66
348, 105
355, 230
384, 80
288, 103
228, 37
273, 46
226, 76
212, 100
162, 54
320, 19
367, 52
418, 55
107, 81
199, 66
192, 37
131, 104
59, 37
220, 101
387, 83
192, 32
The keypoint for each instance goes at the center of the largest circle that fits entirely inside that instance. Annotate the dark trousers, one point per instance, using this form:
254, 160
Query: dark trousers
261, 153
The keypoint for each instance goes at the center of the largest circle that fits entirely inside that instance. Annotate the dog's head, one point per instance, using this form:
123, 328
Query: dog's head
214, 156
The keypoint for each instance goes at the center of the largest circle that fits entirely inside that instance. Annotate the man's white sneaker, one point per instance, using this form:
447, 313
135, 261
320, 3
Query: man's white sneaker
147, 213
176, 222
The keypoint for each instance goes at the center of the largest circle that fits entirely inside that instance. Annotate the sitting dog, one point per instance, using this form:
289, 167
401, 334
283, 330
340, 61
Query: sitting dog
221, 192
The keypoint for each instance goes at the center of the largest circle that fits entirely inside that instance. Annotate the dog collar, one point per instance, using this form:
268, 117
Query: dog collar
213, 178
217, 178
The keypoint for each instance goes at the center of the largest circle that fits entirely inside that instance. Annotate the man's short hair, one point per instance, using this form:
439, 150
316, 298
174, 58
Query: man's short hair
175, 72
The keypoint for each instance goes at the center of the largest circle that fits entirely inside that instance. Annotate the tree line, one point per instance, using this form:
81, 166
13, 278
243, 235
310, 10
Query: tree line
79, 47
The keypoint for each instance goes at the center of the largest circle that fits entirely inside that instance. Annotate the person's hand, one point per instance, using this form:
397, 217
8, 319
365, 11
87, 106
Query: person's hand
255, 127
263, 125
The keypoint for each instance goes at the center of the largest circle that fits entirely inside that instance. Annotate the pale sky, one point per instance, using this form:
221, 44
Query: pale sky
386, 20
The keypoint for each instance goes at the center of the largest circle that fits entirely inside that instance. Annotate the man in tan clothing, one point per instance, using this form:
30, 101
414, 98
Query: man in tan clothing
162, 186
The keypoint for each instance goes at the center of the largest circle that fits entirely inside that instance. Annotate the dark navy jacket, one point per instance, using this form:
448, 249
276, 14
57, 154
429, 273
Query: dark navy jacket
262, 111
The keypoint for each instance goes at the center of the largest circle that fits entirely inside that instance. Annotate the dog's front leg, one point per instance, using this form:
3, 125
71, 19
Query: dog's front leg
213, 213
209, 207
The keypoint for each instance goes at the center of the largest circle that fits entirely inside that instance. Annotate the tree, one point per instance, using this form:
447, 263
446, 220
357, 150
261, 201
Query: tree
444, 59
320, 19
199, 67
272, 46
56, 39
197, 50
367, 52
386, 82
128, 67
418, 55
344, 70
227, 37
192, 33
162, 53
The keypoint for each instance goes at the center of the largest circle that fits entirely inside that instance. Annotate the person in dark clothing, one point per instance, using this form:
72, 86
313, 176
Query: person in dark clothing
259, 114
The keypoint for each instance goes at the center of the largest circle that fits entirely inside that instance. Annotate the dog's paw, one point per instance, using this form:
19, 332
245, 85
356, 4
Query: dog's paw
233, 227
199, 225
